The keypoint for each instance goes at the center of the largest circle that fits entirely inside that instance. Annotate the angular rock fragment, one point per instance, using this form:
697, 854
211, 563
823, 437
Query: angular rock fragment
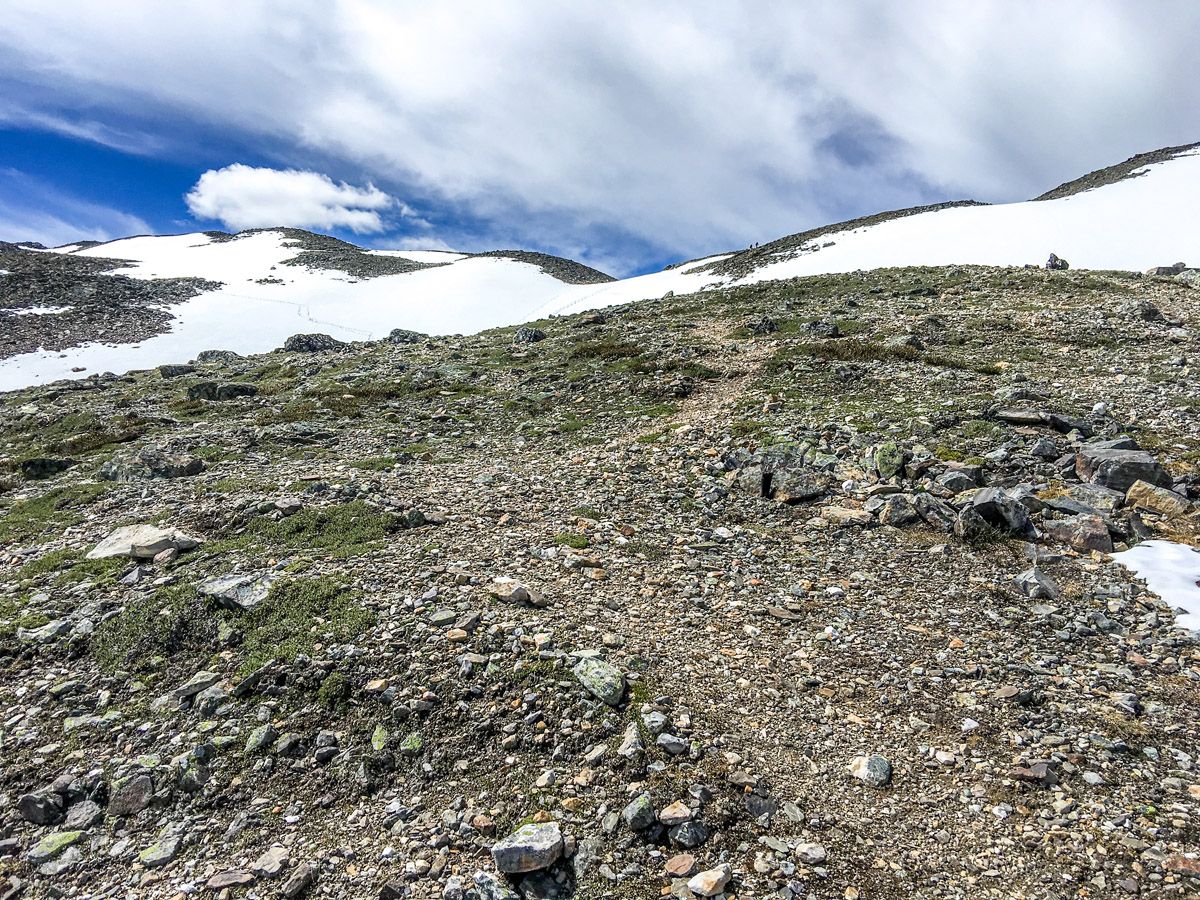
529, 848
603, 680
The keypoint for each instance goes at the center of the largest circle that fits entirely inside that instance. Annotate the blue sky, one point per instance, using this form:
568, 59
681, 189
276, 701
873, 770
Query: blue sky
626, 135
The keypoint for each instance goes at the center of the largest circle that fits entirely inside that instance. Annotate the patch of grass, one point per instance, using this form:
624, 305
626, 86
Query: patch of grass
334, 690
52, 511
298, 614
71, 566
605, 349
859, 350
344, 529
173, 622
293, 411
981, 429
571, 539
570, 423
81, 433
177, 624
652, 437
748, 428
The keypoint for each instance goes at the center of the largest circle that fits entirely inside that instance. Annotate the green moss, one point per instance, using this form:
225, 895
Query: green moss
344, 529
334, 690
571, 539
52, 511
173, 621
296, 615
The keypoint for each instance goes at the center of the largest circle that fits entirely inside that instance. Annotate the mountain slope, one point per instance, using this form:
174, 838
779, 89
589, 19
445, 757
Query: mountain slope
805, 579
1109, 219
277, 282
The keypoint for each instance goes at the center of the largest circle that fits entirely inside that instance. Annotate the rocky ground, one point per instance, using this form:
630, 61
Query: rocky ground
796, 590
85, 302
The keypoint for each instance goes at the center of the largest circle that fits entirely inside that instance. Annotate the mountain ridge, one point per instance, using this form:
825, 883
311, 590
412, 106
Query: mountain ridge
1104, 220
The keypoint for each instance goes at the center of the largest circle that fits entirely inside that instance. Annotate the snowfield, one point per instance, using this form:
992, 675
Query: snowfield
1172, 571
1134, 224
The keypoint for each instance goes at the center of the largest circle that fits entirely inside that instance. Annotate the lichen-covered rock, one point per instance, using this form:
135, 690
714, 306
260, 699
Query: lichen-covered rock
53, 845
603, 680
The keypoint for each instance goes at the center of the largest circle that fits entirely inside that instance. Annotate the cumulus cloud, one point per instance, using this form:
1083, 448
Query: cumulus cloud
32, 211
243, 196
674, 128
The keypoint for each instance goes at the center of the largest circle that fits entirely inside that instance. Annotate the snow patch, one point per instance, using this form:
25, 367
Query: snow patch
1170, 570
35, 310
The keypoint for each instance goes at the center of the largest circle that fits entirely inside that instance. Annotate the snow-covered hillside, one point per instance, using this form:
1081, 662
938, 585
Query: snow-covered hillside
1131, 224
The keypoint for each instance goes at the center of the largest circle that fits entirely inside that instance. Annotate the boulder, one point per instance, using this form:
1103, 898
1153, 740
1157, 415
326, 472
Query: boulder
1119, 469
1003, 512
239, 593
1167, 270
133, 795
1149, 497
1082, 532
874, 770
41, 467
312, 343
1057, 263
142, 542
404, 336
602, 680
210, 390
711, 882
41, 807
529, 848
527, 335
221, 357
150, 463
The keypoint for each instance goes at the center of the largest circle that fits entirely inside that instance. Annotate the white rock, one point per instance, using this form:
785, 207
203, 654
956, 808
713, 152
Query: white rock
710, 883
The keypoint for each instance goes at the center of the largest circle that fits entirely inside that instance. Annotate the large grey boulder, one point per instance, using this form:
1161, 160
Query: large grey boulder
239, 593
312, 343
529, 848
150, 463
1119, 469
1003, 512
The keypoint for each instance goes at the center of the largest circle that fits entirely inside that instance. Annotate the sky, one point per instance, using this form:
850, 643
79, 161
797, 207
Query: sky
627, 135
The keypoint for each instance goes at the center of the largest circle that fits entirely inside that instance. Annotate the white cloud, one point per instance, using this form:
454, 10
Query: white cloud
32, 211
675, 128
242, 196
